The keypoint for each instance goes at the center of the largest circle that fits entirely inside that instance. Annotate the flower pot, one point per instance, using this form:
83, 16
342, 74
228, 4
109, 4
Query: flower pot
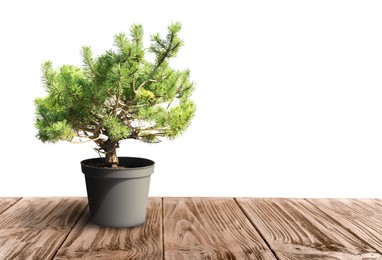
118, 197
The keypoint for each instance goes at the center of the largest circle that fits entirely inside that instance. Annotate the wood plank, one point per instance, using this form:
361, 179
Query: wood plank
295, 229
34, 228
89, 241
210, 228
363, 217
5, 203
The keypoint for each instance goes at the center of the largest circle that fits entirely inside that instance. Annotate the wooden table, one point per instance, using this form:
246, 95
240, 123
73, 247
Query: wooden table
196, 228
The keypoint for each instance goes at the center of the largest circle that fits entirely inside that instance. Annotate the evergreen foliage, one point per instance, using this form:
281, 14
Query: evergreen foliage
117, 95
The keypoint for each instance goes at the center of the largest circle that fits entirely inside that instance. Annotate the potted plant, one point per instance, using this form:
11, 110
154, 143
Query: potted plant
116, 96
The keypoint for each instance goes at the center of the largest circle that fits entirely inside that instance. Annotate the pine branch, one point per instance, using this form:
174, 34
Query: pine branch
118, 90
133, 86
163, 57
87, 54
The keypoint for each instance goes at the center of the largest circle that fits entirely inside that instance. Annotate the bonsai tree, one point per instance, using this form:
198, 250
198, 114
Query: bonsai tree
117, 95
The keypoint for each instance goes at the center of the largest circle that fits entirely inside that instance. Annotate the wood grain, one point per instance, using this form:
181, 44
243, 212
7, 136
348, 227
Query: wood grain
295, 229
363, 217
210, 228
89, 241
196, 228
5, 203
34, 228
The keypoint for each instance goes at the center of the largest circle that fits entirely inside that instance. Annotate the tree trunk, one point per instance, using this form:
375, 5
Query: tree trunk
111, 155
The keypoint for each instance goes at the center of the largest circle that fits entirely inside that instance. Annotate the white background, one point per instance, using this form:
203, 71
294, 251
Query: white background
288, 96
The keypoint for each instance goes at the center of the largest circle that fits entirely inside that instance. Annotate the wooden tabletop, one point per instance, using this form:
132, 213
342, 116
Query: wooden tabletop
196, 228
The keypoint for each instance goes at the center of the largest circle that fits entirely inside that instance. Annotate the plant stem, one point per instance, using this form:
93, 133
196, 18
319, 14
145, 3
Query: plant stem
110, 149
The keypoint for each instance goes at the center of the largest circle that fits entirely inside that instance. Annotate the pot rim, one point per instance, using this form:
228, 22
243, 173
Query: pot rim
139, 168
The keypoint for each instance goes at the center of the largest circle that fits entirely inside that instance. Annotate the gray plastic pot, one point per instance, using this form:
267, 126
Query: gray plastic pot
118, 197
